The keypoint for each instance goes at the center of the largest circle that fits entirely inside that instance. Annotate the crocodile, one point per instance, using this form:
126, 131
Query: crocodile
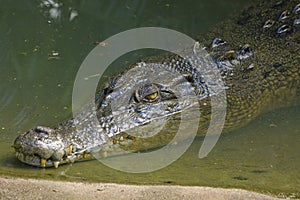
257, 55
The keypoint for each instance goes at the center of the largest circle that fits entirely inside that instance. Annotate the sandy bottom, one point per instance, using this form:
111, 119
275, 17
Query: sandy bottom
17, 188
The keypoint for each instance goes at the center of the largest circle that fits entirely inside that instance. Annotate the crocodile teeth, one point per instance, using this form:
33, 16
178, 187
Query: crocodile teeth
19, 155
84, 154
70, 149
56, 163
104, 154
43, 162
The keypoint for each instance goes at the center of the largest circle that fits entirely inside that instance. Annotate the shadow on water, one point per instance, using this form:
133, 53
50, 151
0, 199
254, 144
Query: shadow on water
41, 50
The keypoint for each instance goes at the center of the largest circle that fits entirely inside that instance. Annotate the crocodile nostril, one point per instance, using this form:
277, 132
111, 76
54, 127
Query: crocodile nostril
43, 129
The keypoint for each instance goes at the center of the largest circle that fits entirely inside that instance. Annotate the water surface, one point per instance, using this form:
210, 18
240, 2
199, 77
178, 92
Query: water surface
42, 47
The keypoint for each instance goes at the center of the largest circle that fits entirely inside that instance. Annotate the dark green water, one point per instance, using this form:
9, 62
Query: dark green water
36, 89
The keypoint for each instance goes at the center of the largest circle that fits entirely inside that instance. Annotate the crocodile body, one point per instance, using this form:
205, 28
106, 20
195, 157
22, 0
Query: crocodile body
257, 54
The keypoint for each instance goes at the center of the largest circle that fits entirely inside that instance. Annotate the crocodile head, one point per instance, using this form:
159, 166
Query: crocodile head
138, 103
129, 111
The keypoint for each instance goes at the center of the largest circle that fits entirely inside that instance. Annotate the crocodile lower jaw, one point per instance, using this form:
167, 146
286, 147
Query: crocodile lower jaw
37, 161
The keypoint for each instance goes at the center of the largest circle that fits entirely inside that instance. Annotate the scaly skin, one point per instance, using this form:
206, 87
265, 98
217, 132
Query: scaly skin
258, 57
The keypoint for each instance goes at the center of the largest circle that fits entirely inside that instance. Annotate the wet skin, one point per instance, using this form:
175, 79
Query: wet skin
257, 54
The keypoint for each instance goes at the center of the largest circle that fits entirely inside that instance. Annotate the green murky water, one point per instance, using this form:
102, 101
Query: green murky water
41, 49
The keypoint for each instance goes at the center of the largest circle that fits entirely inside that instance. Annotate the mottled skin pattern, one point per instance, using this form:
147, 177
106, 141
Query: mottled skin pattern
272, 80
258, 54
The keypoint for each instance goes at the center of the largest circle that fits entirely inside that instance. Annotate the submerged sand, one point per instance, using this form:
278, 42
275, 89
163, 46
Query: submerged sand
18, 188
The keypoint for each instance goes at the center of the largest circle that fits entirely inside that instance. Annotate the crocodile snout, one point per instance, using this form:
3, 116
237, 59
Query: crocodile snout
42, 146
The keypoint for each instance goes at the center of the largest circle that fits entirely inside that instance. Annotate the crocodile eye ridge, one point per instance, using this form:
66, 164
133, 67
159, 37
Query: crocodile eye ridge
147, 93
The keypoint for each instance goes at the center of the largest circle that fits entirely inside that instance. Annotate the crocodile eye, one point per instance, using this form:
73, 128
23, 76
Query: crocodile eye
152, 96
147, 93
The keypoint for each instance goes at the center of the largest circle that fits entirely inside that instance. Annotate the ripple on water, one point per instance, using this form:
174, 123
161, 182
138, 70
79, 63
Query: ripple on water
6, 96
22, 117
